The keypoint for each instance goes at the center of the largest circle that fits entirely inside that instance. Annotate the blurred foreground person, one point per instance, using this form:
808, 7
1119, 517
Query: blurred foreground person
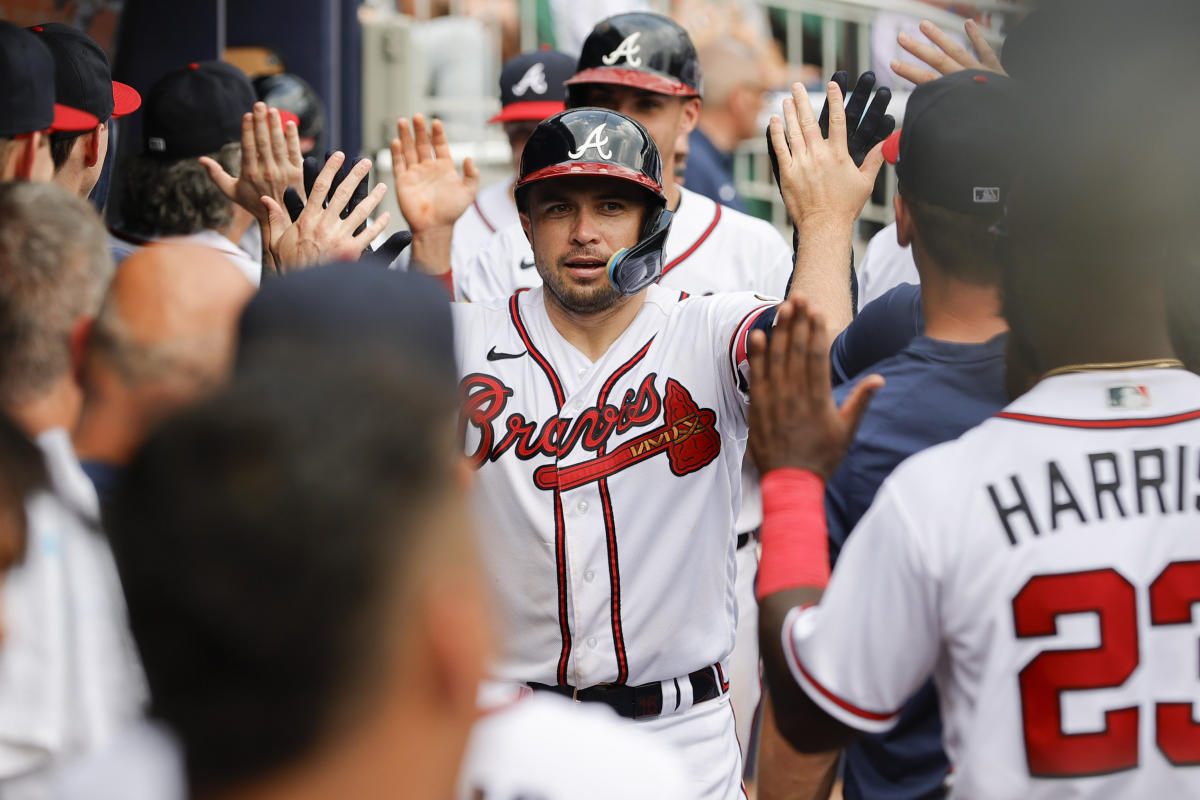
302, 582
69, 679
22, 471
164, 336
980, 558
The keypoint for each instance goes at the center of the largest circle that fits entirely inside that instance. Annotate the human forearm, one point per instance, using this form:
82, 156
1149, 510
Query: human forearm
822, 271
431, 250
785, 774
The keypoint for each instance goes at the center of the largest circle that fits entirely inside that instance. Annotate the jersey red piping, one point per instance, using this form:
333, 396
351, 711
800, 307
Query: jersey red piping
1148, 422
560, 554
740, 333
491, 228
686, 253
610, 528
874, 716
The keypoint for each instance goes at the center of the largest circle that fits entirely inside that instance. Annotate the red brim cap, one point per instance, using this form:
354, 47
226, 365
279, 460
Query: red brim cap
532, 111
891, 148
287, 116
126, 99
599, 169
659, 84
72, 119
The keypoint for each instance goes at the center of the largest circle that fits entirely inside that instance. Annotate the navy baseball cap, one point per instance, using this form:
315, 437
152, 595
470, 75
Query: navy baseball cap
196, 110
958, 147
82, 76
350, 308
532, 86
27, 94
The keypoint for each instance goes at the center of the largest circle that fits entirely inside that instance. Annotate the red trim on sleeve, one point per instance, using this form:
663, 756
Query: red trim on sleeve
738, 343
845, 705
491, 228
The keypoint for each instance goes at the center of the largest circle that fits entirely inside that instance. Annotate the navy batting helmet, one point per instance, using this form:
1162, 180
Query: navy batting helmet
645, 51
595, 141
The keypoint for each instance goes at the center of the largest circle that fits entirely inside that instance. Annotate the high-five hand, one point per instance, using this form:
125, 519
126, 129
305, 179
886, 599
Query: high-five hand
794, 421
320, 233
429, 189
945, 55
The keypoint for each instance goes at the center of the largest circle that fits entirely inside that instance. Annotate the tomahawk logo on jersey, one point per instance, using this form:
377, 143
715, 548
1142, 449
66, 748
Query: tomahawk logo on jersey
575, 458
1045, 569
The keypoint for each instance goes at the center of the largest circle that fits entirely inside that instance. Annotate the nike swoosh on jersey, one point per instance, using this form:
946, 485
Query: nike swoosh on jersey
526, 263
495, 356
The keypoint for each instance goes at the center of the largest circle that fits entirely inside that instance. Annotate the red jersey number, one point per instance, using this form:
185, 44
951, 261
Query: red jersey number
1050, 752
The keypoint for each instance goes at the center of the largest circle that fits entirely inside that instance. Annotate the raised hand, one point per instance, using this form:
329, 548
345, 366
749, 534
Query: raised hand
271, 162
794, 421
429, 189
818, 179
321, 233
945, 55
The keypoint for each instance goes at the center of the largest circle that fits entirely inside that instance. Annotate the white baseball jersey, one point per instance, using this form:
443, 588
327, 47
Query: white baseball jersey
608, 489
710, 248
1044, 568
884, 266
546, 747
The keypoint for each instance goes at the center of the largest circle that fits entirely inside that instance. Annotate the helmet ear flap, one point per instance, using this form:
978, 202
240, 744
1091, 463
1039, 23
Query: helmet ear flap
634, 268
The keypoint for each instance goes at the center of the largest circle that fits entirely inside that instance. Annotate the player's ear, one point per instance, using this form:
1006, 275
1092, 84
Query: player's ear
92, 145
690, 116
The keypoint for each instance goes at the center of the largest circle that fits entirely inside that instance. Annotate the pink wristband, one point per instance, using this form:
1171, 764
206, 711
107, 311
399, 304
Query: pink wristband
795, 540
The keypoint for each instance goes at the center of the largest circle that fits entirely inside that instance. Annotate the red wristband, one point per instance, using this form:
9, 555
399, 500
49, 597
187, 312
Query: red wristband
795, 540
446, 279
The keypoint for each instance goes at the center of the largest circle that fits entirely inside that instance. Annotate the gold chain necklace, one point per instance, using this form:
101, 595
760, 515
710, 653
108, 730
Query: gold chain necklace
1148, 363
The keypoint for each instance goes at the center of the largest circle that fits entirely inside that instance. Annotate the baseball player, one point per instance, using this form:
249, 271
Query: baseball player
606, 418
645, 66
1044, 567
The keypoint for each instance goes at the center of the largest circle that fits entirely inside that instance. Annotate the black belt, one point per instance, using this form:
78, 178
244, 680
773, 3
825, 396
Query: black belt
645, 700
745, 538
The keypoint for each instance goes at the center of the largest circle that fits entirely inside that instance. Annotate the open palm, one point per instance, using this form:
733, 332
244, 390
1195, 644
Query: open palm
429, 189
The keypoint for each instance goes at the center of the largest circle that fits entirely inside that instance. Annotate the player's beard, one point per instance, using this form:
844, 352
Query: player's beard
592, 298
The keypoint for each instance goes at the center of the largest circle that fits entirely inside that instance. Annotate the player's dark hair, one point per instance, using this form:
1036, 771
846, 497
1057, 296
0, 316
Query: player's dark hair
258, 537
175, 197
61, 145
962, 245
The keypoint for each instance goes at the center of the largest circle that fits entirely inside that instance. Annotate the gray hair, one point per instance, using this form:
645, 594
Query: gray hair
55, 266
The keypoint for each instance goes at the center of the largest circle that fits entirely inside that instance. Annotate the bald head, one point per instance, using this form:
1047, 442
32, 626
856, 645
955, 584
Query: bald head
169, 319
728, 64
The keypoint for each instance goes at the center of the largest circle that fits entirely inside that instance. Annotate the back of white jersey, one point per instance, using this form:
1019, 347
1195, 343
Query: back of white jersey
710, 248
1044, 568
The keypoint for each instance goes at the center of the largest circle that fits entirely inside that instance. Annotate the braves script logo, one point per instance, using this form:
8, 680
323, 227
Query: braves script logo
595, 139
687, 433
628, 49
534, 79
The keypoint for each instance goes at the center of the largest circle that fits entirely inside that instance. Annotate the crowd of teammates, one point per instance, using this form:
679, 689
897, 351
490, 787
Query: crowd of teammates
489, 498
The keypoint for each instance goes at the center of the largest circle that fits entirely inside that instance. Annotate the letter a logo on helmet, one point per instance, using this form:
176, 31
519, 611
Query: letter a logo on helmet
628, 49
597, 140
533, 79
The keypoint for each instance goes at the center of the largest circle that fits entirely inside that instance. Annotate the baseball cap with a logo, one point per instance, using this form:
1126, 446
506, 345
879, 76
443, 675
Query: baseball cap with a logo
27, 95
83, 78
532, 86
957, 148
196, 110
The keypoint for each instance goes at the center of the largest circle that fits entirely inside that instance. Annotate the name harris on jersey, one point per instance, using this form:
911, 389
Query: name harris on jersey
1095, 486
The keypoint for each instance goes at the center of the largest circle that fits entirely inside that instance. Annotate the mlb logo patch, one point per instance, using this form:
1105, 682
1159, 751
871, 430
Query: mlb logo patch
987, 194
1128, 395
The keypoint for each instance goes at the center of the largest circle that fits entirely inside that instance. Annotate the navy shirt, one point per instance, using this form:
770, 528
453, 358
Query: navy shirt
710, 172
881, 329
934, 392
